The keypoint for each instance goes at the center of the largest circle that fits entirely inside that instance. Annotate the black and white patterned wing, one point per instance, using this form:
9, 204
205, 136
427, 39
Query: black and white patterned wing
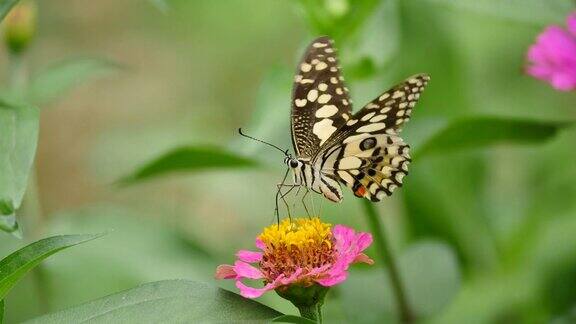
367, 154
320, 102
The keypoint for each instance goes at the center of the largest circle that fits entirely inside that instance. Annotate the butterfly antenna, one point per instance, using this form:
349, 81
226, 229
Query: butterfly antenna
261, 141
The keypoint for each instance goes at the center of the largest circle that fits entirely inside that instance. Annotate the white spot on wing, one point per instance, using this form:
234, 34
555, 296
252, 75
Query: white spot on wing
350, 162
324, 98
371, 128
300, 102
378, 118
305, 67
326, 111
321, 66
312, 95
368, 116
323, 129
346, 177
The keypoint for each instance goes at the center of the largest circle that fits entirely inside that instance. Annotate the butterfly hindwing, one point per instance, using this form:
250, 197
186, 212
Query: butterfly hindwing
372, 165
320, 102
367, 153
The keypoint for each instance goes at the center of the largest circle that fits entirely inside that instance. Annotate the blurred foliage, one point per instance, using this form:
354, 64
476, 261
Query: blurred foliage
54, 81
5, 6
483, 226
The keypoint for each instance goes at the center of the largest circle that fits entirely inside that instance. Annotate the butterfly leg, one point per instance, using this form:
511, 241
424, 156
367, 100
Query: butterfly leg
296, 195
284, 194
304, 202
279, 186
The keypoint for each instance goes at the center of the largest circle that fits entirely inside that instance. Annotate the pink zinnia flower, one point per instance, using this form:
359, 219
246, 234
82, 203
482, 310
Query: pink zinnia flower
553, 57
302, 253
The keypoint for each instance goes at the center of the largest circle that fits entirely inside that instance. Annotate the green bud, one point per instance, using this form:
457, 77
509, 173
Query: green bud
20, 26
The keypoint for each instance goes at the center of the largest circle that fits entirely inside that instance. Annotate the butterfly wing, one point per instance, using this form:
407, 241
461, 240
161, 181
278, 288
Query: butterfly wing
320, 102
367, 153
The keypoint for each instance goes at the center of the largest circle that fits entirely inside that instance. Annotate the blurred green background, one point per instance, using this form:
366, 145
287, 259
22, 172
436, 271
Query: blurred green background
485, 233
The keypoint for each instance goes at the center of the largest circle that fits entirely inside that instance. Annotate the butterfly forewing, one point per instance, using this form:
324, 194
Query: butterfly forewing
366, 153
320, 102
393, 108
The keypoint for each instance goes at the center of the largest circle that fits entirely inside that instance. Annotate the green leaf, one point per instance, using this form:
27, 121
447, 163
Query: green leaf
1, 311
293, 319
190, 159
431, 278
55, 80
171, 301
531, 11
5, 6
487, 131
17, 264
18, 140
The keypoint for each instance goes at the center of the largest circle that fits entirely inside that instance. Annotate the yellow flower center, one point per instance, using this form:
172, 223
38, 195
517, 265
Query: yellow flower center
302, 243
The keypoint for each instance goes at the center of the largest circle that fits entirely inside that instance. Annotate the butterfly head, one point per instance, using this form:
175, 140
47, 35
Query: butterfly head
292, 162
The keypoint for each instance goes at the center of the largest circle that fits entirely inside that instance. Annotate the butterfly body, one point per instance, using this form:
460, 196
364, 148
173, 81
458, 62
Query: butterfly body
309, 175
333, 146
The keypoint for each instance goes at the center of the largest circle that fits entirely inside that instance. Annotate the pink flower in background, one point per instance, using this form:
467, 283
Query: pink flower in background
553, 57
303, 252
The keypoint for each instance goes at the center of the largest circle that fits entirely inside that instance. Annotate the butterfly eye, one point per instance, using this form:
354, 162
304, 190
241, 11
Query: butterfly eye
293, 164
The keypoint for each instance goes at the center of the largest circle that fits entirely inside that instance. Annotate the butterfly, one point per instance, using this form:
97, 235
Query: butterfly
333, 146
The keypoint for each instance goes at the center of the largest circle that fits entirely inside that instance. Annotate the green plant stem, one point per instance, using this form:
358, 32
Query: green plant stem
383, 248
31, 208
313, 312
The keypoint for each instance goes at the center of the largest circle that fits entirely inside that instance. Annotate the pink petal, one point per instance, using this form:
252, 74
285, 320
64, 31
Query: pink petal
363, 258
251, 292
536, 54
245, 270
539, 72
283, 281
260, 244
363, 241
349, 247
333, 280
571, 23
564, 81
249, 256
225, 271
319, 270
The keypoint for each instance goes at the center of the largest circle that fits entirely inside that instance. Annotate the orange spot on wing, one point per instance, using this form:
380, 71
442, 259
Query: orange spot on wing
360, 191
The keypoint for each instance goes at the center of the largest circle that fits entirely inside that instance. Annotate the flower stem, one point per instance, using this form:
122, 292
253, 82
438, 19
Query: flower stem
383, 247
313, 312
